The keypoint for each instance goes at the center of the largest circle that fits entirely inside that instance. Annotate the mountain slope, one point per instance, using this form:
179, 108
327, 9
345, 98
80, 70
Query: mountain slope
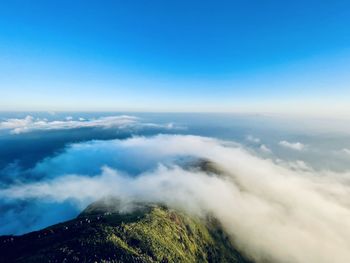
150, 233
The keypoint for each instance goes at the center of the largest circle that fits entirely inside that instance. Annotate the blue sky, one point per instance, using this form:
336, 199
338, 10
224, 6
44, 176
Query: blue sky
236, 56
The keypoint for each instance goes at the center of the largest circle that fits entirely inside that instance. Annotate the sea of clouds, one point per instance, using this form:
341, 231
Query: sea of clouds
273, 210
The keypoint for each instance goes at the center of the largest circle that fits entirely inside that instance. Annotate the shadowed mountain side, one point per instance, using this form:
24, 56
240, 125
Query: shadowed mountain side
147, 233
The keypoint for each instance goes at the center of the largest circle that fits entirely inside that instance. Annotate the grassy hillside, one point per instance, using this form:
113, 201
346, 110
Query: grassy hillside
152, 233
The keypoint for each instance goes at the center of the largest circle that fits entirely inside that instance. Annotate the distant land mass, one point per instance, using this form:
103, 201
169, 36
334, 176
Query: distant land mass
146, 233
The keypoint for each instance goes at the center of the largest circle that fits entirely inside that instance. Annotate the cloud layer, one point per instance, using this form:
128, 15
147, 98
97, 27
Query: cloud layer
29, 123
273, 211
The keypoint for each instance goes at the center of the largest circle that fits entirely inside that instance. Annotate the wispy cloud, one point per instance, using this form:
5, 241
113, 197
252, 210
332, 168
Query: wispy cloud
265, 149
346, 151
273, 212
253, 139
29, 123
298, 146
297, 165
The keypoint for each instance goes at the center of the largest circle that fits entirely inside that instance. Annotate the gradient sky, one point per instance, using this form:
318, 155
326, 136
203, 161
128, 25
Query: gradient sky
147, 55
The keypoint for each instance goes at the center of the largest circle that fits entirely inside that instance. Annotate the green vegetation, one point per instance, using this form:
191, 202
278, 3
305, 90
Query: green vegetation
152, 233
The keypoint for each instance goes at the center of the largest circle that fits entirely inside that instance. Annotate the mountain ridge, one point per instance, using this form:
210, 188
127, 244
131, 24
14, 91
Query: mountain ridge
147, 233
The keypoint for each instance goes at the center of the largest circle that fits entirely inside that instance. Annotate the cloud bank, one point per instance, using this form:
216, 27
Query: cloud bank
273, 211
29, 123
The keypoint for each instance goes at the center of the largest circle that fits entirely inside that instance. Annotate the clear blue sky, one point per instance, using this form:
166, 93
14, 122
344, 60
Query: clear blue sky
254, 56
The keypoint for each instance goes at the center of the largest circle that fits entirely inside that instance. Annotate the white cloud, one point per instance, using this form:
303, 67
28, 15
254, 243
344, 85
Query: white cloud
273, 212
265, 149
298, 146
297, 165
253, 139
346, 151
342, 153
29, 123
